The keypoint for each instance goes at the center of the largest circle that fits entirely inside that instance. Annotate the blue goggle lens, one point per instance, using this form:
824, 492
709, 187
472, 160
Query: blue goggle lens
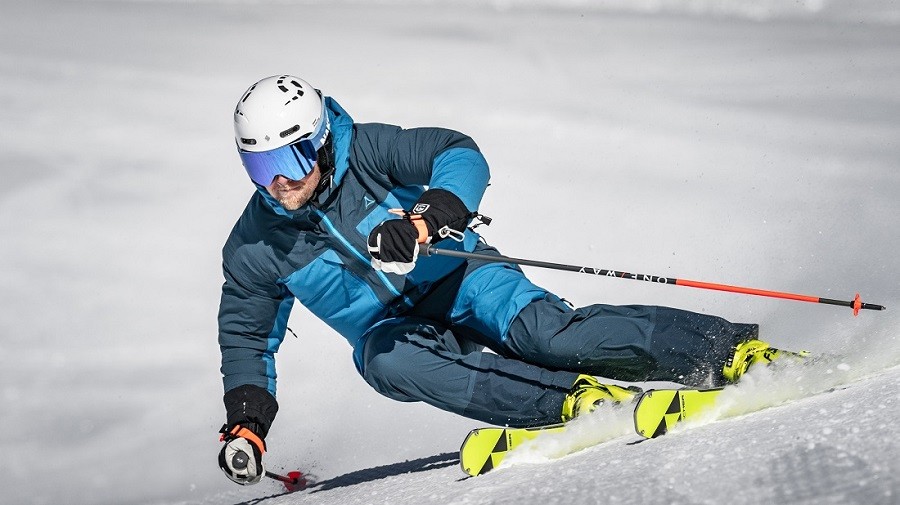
294, 161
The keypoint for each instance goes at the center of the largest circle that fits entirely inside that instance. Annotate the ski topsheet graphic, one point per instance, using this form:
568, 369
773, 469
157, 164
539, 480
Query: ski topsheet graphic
484, 448
655, 413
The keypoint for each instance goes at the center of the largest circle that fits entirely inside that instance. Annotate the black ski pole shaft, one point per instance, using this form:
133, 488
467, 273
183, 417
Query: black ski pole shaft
856, 304
241, 459
282, 478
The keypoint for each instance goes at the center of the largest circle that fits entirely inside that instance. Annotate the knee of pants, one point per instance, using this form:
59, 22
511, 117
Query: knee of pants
380, 374
379, 360
531, 330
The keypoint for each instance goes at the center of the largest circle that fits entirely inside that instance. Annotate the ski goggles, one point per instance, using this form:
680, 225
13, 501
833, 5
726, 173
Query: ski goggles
294, 161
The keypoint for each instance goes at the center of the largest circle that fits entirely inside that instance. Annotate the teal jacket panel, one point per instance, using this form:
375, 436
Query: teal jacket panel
317, 254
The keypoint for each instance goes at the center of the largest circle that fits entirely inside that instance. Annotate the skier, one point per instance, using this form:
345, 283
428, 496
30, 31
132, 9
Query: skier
336, 221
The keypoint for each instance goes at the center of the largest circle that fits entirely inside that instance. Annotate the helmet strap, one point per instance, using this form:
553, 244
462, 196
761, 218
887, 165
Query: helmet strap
325, 158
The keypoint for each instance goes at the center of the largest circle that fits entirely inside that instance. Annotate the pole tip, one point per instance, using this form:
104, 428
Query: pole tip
298, 482
858, 304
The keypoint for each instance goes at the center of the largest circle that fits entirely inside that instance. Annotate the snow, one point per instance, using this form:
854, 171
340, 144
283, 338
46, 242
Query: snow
750, 143
805, 452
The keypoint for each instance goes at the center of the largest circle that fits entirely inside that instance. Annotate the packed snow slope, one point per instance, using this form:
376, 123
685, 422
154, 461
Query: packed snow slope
838, 447
748, 142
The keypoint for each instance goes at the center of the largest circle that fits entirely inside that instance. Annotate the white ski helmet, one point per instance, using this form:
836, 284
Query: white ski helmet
279, 125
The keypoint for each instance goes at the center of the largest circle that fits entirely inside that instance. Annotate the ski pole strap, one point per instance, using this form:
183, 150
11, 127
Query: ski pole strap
421, 227
446, 230
238, 431
416, 220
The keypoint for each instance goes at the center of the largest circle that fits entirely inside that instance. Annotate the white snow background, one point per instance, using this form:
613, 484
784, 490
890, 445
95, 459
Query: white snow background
744, 142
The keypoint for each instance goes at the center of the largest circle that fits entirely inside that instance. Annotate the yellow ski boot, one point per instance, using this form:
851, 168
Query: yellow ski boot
751, 352
587, 393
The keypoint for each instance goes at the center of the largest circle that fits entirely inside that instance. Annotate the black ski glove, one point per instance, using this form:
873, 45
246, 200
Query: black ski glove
394, 244
250, 410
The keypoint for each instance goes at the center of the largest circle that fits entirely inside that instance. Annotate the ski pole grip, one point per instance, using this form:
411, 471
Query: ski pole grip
240, 460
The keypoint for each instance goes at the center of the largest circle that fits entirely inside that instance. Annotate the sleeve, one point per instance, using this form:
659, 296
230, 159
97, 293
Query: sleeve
435, 157
252, 324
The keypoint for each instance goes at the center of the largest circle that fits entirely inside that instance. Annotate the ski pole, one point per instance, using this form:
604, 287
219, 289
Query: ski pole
282, 478
856, 304
292, 481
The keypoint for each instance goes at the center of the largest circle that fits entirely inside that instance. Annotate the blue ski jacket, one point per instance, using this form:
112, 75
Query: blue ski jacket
318, 254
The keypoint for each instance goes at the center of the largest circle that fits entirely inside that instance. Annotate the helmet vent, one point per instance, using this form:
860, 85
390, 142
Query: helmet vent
290, 131
284, 89
247, 94
249, 142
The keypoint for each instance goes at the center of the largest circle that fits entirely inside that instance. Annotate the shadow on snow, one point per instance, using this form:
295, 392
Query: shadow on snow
371, 474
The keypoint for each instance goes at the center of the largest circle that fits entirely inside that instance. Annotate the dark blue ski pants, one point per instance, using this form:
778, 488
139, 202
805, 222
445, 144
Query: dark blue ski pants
435, 355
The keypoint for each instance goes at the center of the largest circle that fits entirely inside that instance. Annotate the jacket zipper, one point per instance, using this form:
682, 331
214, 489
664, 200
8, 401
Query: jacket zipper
334, 232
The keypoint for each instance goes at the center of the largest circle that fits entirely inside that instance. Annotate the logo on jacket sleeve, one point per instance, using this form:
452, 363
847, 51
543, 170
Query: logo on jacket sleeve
420, 208
368, 202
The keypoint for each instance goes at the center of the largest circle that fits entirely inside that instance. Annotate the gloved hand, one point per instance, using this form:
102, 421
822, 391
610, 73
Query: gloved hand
250, 411
241, 456
394, 244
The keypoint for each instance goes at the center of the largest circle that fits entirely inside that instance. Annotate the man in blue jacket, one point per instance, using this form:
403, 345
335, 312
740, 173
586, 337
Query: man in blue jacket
336, 221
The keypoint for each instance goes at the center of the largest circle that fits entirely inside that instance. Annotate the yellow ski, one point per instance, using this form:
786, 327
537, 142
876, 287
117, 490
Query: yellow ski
484, 448
657, 411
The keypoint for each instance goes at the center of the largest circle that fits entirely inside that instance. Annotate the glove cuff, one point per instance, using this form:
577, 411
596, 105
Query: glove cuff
439, 208
252, 407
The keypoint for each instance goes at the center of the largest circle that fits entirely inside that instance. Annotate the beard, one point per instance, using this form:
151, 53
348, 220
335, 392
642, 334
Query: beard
293, 200
295, 194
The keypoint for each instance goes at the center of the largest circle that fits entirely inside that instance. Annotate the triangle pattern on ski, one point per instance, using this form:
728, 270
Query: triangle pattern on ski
675, 405
657, 411
484, 448
502, 445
